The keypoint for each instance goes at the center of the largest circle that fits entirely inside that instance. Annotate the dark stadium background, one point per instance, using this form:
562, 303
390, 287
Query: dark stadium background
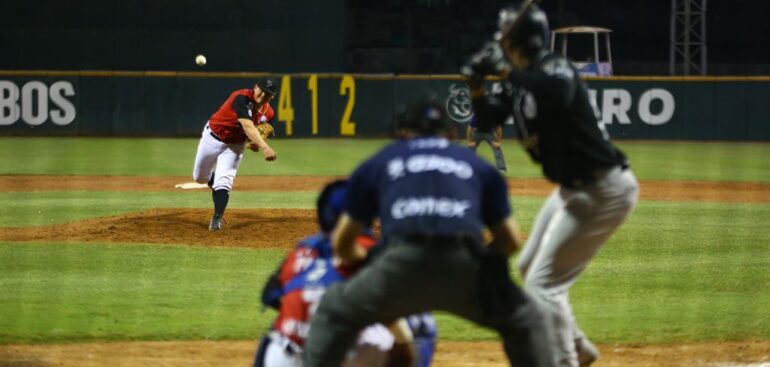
388, 36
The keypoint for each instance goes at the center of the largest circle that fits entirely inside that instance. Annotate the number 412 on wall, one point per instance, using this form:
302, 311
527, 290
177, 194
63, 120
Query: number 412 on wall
286, 111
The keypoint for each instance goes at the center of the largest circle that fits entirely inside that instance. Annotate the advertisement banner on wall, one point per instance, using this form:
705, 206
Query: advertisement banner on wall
45, 105
347, 105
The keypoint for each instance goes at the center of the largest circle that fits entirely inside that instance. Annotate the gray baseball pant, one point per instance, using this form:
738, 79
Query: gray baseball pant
571, 227
497, 152
409, 278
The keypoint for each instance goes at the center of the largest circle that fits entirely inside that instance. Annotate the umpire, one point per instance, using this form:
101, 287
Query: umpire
596, 189
432, 199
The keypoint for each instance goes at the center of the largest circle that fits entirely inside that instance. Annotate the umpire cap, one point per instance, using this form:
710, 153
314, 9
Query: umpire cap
424, 117
268, 85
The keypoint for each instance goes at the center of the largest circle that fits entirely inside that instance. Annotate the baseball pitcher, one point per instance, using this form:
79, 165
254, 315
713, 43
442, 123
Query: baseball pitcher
242, 121
556, 125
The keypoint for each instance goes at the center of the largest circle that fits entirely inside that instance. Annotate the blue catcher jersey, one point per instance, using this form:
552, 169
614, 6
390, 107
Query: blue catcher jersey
321, 271
428, 186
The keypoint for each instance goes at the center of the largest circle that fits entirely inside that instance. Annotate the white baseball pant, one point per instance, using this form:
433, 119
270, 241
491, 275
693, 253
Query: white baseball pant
371, 350
218, 157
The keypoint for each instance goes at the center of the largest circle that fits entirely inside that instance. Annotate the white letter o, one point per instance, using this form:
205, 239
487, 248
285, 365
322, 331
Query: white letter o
665, 114
27, 108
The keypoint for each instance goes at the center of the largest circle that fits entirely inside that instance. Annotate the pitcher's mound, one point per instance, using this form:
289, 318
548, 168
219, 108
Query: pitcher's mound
243, 228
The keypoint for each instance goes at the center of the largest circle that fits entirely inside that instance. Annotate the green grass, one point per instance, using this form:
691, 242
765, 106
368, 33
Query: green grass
50, 207
699, 161
681, 272
676, 272
57, 293
162, 157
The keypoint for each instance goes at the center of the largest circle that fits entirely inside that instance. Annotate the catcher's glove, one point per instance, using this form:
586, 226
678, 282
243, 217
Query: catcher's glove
265, 131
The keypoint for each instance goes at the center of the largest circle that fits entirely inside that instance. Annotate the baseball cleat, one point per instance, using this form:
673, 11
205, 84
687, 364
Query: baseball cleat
216, 223
586, 351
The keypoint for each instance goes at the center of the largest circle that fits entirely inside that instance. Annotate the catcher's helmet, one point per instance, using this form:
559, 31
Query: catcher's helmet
424, 117
330, 204
527, 32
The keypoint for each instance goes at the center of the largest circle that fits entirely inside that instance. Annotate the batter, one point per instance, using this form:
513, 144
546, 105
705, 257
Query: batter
596, 189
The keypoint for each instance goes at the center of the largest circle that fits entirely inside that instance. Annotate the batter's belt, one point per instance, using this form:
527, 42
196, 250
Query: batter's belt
592, 177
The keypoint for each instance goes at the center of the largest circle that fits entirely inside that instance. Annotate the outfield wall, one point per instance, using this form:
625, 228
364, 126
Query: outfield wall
334, 105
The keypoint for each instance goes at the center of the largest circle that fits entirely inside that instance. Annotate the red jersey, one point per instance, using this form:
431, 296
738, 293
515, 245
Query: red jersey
241, 104
308, 270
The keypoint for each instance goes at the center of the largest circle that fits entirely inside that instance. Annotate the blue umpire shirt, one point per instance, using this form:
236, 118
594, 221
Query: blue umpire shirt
427, 186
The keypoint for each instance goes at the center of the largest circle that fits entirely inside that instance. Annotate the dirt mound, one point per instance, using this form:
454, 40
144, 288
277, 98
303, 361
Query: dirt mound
243, 228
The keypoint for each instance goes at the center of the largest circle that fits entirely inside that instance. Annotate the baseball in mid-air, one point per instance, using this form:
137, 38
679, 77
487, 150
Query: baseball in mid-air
200, 60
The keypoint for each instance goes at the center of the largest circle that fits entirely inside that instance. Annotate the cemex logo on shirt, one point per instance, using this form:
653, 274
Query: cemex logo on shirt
429, 206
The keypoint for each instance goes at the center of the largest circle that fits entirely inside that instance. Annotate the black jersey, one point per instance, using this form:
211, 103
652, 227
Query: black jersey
554, 119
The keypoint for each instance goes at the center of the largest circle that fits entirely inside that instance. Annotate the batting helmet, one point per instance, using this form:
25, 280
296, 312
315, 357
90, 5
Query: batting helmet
424, 117
330, 204
527, 32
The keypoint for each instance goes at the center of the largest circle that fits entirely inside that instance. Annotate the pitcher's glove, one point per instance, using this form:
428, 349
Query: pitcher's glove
266, 131
487, 61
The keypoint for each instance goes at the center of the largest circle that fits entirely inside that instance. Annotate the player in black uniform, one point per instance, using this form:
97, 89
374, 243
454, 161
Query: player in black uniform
433, 199
556, 125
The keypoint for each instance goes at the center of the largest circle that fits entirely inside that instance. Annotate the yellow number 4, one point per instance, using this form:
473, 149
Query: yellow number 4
285, 110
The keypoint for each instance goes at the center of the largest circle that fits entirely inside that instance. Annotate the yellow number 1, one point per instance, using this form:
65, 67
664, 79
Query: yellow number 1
312, 86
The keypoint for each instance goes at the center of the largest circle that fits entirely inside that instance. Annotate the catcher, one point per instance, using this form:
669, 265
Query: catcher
296, 287
242, 121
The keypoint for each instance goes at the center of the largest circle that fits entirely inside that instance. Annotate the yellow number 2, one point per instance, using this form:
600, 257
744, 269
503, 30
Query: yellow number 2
285, 111
348, 86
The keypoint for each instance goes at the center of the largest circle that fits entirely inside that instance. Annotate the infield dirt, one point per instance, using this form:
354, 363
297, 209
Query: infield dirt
746, 192
449, 354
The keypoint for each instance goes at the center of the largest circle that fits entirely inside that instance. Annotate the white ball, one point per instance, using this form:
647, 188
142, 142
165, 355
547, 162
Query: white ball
200, 60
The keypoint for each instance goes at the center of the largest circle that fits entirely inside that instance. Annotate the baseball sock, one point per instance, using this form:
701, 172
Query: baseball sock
221, 197
211, 181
